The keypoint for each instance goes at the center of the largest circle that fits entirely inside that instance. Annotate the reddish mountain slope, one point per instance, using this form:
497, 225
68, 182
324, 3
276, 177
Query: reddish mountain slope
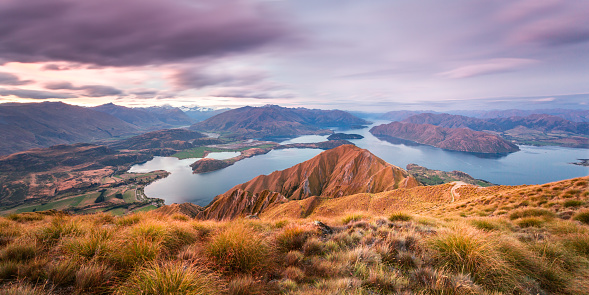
457, 139
334, 173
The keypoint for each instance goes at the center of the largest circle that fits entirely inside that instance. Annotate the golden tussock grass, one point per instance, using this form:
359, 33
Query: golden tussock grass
498, 240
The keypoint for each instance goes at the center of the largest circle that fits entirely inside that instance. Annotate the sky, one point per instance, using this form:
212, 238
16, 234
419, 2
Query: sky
368, 55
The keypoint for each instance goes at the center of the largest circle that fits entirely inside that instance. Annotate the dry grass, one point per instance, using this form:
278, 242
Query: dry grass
497, 240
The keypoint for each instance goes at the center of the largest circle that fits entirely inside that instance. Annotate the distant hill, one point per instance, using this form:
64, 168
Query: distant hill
532, 129
151, 118
457, 139
31, 125
275, 121
338, 172
452, 121
401, 115
567, 114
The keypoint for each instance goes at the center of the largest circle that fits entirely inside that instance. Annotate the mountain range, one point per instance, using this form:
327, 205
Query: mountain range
532, 129
456, 139
275, 121
32, 125
151, 118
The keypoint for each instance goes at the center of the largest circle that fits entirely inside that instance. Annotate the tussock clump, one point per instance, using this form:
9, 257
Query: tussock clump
180, 217
530, 222
582, 216
531, 212
294, 258
244, 285
203, 229
21, 289
486, 224
8, 269
313, 246
131, 252
292, 238
128, 220
294, 273
170, 278
352, 217
62, 272
572, 203
26, 217
548, 277
91, 278
59, 228
19, 250
400, 216
239, 249
94, 244
578, 243
474, 253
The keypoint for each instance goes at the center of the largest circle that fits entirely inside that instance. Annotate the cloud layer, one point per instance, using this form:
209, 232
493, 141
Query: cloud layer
131, 32
358, 55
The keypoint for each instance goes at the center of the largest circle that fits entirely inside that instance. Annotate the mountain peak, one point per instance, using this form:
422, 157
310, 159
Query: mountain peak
338, 172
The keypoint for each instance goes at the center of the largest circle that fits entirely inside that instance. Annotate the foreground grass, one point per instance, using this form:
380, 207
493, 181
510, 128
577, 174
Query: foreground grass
402, 253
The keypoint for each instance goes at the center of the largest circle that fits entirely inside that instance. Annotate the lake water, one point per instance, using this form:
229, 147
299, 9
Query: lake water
531, 165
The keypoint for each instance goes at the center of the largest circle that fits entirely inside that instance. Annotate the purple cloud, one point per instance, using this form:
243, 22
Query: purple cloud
200, 77
499, 65
131, 32
12, 79
88, 90
34, 94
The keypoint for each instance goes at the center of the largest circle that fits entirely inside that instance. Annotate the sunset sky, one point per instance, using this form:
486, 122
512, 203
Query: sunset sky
368, 55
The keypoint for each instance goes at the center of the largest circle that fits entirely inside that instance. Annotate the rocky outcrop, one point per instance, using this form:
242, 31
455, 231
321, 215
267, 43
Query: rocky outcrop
457, 139
338, 172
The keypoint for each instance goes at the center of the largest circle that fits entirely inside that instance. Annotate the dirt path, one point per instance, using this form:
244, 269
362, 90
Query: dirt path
457, 185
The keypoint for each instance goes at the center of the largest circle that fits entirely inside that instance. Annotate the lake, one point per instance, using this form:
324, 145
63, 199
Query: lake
530, 165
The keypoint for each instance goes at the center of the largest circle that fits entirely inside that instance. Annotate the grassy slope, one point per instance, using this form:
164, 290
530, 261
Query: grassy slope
199, 152
498, 240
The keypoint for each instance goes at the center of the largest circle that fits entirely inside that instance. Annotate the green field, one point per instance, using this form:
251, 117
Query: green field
60, 204
198, 152
117, 211
129, 196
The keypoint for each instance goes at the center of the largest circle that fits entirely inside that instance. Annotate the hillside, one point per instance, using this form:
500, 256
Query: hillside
33, 125
457, 139
48, 175
432, 177
275, 121
334, 173
169, 138
535, 129
497, 240
453, 121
